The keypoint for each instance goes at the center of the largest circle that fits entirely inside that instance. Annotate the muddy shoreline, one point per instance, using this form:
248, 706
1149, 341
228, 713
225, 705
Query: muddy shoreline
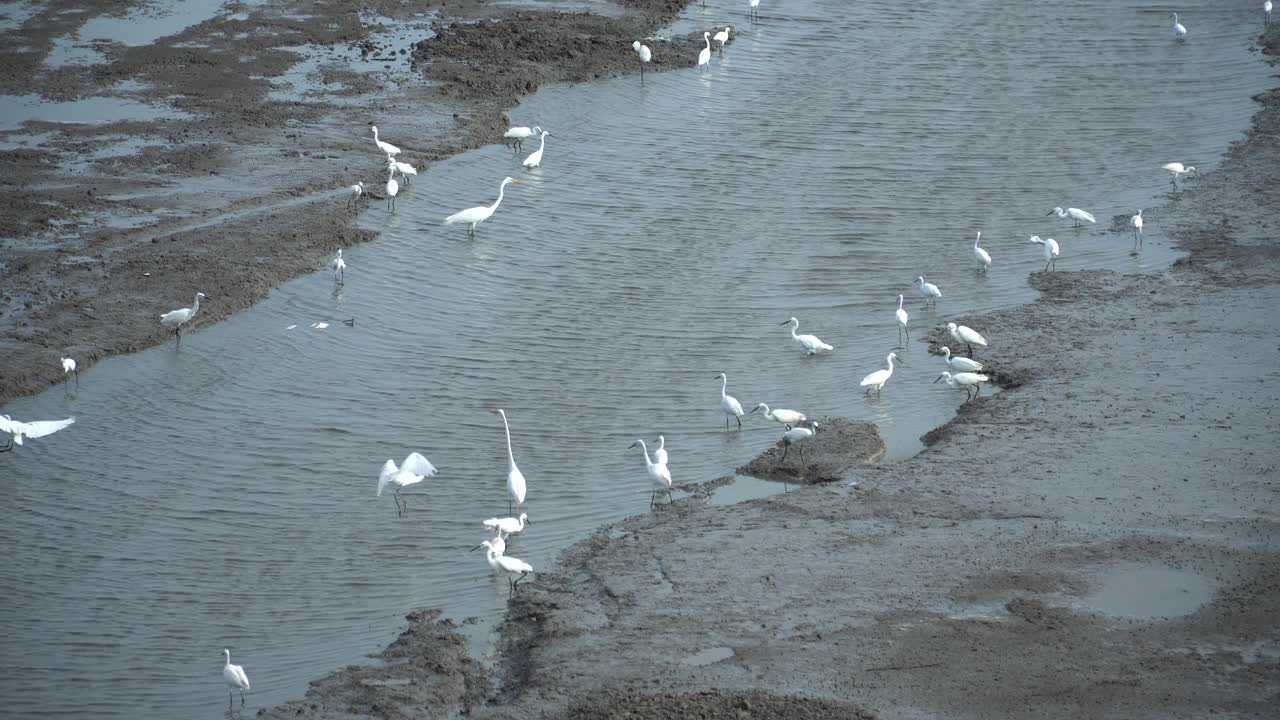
230, 177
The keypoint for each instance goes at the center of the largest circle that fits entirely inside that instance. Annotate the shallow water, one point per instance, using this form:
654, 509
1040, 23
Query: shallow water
223, 495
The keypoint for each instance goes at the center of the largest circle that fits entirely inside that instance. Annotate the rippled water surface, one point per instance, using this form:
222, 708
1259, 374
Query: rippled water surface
223, 495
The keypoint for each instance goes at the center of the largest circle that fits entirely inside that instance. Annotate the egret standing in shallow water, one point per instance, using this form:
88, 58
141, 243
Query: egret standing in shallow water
1176, 170
476, 215
508, 526
339, 269
235, 678
658, 473
798, 437
1076, 214
660, 455
176, 318
1179, 31
1050, 251
39, 428
519, 134
964, 381
721, 38
515, 478
411, 471
755, 9
966, 335
958, 363
69, 367
385, 147
979, 255
728, 403
353, 202
535, 158
809, 343
928, 291
1136, 223
785, 417
1266, 12
405, 169
704, 56
509, 566
902, 322
393, 188
877, 379
645, 56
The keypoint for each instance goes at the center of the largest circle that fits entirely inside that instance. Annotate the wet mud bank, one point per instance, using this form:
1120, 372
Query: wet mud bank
146, 160
838, 446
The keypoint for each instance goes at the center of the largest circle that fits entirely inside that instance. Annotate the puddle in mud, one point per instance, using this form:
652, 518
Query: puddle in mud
744, 488
708, 656
14, 14
14, 141
149, 23
18, 109
1150, 591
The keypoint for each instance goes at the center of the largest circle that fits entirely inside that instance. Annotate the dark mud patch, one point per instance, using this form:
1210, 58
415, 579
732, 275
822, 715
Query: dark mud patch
425, 673
712, 705
839, 446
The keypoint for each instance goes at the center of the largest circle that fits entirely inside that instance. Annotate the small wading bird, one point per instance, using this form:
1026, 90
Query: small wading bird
966, 335
1266, 12
964, 381
1050, 251
385, 147
959, 364
1176, 170
235, 678
728, 403
721, 38
176, 318
645, 56
798, 437
476, 215
902, 322
518, 134
809, 343
509, 566
660, 455
877, 379
1179, 31
658, 474
411, 471
1136, 223
928, 291
496, 542
979, 255
535, 158
69, 367
755, 9
515, 478
353, 201
785, 417
508, 526
1076, 214
20, 430
704, 55
340, 269
405, 169
393, 188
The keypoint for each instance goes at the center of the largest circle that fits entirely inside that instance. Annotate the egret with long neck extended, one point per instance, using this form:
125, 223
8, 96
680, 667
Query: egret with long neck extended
658, 474
728, 403
809, 343
982, 257
176, 318
876, 380
902, 322
515, 478
474, 216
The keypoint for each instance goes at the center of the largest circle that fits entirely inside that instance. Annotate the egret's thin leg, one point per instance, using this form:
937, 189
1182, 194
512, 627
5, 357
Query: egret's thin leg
785, 448
735, 417
801, 448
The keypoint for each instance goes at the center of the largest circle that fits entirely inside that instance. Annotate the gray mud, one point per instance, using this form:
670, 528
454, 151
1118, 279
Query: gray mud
839, 446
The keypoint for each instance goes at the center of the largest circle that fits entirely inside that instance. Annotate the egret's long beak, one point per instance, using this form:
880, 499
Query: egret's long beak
754, 409
475, 548
628, 447
516, 182
1049, 213
935, 382
785, 322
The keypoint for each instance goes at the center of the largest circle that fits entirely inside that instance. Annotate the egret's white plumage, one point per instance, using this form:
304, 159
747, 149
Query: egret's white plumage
39, 428
535, 158
809, 343
339, 268
69, 367
928, 291
982, 257
234, 677
176, 318
755, 4
660, 455
519, 134
496, 543
393, 189
704, 55
1076, 214
515, 478
722, 37
728, 403
385, 147
966, 336
414, 468
645, 56
798, 437
508, 526
357, 190
786, 417
405, 169
1177, 170
1050, 251
877, 379
1179, 30
508, 566
964, 381
1266, 12
474, 216
1136, 223
658, 474
901, 315
958, 363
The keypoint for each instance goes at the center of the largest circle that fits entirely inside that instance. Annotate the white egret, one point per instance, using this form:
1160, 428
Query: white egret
393, 188
519, 134
966, 335
176, 318
339, 269
411, 471
405, 169
1266, 12
509, 566
353, 202
1136, 223
786, 417
507, 526
235, 678
722, 37
515, 479
982, 257
1050, 251
476, 215
658, 473
498, 545
660, 455
902, 322
755, 9
20, 430
958, 363
1179, 30
964, 381
535, 158
809, 343
385, 147
1176, 170
1076, 215
645, 56
928, 291
798, 437
704, 55
68, 367
728, 403
319, 325
877, 379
